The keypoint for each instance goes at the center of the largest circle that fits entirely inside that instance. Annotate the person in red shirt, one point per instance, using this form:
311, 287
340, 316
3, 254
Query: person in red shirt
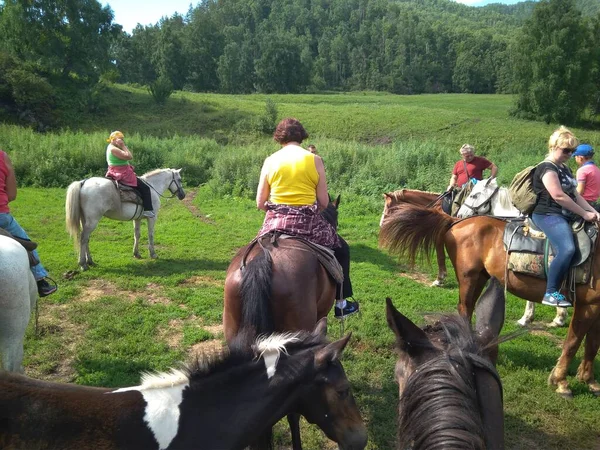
470, 167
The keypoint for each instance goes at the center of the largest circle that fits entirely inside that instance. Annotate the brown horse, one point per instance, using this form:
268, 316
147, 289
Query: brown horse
476, 249
420, 198
284, 289
218, 402
450, 391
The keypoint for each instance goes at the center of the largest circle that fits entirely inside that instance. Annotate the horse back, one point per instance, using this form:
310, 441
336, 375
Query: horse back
37, 414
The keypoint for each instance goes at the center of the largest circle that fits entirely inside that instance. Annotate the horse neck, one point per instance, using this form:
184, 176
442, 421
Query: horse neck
159, 180
502, 205
416, 197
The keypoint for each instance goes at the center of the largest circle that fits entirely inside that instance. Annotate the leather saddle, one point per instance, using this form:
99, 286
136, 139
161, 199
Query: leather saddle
325, 255
127, 193
27, 244
523, 236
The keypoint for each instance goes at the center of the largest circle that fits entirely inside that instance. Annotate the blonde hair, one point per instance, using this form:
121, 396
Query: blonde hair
115, 135
467, 148
562, 138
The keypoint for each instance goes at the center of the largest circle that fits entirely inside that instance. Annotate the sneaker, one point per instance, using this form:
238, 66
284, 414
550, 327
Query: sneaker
556, 299
149, 214
348, 310
45, 288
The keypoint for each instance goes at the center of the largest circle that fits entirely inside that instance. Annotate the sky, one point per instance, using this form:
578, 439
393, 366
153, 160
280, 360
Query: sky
147, 12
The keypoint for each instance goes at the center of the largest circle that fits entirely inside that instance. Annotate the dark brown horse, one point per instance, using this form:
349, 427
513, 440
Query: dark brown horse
476, 249
420, 198
284, 289
219, 402
450, 391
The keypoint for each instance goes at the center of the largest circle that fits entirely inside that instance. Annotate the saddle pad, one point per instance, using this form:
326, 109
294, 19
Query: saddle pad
532, 264
127, 193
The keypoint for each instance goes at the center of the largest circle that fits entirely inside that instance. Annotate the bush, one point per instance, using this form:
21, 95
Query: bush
161, 89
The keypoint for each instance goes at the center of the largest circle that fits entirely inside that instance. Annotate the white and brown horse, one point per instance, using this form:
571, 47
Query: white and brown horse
91, 199
219, 402
18, 294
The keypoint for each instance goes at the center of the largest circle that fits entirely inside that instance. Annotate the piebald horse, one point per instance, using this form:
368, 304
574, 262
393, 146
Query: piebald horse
18, 295
476, 249
91, 199
450, 391
218, 402
487, 198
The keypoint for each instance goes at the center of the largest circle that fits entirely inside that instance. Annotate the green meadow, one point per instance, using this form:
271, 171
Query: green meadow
124, 316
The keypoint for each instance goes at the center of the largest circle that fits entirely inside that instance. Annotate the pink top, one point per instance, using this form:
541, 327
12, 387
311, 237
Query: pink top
589, 173
3, 175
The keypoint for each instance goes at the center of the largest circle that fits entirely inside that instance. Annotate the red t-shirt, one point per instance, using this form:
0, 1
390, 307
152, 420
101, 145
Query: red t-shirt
475, 169
3, 175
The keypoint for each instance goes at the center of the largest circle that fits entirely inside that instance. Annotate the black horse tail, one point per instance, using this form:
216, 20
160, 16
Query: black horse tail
410, 228
256, 294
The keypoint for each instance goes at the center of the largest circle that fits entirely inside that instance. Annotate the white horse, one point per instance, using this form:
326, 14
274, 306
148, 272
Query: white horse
90, 199
487, 197
18, 294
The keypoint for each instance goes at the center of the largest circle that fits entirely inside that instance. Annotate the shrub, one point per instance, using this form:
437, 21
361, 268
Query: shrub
161, 89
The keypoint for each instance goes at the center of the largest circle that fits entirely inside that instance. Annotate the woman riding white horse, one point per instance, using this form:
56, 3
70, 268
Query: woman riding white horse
89, 200
18, 294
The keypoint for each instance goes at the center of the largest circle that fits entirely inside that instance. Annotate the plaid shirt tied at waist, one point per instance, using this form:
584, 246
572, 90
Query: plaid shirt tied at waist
303, 221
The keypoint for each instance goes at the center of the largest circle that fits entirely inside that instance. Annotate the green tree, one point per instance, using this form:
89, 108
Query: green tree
552, 62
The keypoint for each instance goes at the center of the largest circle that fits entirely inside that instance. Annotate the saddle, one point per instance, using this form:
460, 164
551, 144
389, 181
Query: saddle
27, 244
530, 252
127, 193
325, 255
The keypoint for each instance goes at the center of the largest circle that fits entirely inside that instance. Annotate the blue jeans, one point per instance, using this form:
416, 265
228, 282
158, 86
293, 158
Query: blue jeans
10, 224
559, 233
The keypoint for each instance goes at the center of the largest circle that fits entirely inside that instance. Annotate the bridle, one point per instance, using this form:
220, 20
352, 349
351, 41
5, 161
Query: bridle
178, 185
486, 203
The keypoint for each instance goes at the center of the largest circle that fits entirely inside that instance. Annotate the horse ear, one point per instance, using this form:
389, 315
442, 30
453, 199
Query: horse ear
337, 201
489, 313
321, 328
410, 338
386, 195
331, 352
179, 170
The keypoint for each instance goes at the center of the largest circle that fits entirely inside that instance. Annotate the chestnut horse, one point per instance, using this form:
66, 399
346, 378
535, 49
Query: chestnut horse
476, 250
450, 391
420, 198
218, 402
287, 289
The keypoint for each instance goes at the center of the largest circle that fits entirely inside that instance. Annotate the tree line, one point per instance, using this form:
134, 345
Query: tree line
57, 56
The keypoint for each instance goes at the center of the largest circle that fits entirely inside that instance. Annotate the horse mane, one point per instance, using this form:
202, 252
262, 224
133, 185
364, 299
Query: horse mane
401, 193
504, 198
153, 172
439, 406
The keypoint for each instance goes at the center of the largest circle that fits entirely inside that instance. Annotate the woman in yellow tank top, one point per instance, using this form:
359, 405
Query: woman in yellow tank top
293, 191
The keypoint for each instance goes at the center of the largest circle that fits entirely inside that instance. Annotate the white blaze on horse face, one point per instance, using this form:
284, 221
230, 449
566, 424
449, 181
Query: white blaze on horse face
270, 348
163, 394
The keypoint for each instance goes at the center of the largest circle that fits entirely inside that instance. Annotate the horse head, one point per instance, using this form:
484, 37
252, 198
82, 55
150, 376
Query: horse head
328, 402
449, 364
479, 201
176, 187
330, 214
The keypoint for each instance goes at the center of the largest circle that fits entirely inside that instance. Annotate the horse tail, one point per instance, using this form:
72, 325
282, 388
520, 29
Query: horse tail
256, 295
410, 228
73, 212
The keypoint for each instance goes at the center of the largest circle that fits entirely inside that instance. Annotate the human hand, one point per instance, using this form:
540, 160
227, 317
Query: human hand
590, 216
119, 143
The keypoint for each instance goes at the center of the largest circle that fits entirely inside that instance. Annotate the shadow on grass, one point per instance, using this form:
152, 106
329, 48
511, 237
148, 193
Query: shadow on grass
528, 360
167, 267
365, 253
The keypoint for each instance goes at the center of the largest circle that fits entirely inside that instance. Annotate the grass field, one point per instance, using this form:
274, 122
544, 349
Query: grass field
124, 316
103, 327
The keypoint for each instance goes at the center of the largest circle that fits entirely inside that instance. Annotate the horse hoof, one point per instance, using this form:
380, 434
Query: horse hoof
567, 395
137, 256
436, 283
84, 268
153, 256
555, 324
523, 322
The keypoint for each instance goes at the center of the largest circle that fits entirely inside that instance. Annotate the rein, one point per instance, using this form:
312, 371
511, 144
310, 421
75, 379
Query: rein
486, 365
168, 187
438, 198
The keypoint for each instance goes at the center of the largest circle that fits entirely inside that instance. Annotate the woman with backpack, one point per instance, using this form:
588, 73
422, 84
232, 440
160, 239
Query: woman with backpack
557, 203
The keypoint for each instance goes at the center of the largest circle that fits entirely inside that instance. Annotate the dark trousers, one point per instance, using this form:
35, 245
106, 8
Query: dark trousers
144, 191
342, 254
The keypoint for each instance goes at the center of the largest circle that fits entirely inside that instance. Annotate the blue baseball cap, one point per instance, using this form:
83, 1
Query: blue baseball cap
584, 150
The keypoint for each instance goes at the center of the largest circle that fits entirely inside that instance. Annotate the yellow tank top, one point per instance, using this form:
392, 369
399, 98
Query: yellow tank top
292, 176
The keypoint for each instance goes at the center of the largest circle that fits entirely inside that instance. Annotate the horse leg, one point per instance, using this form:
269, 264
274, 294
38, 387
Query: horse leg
136, 239
85, 258
441, 261
560, 319
585, 372
294, 422
583, 318
151, 222
470, 287
528, 314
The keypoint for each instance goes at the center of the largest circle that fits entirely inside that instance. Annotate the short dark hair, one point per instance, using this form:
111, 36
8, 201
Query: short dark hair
289, 130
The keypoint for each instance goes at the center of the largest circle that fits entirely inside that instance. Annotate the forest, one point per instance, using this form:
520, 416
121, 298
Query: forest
58, 56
